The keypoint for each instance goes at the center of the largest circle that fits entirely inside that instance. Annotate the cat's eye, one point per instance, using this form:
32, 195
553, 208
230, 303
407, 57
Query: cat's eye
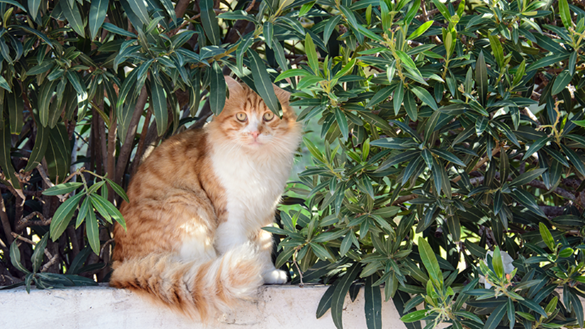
268, 116
241, 116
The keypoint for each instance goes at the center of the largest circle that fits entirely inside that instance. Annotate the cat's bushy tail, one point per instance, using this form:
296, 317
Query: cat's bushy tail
197, 289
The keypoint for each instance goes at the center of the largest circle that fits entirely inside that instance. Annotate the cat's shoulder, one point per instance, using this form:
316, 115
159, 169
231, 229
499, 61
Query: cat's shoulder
186, 142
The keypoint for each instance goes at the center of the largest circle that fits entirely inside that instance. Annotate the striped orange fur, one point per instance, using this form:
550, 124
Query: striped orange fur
197, 205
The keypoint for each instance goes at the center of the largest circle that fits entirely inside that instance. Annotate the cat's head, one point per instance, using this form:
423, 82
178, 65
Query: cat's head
248, 122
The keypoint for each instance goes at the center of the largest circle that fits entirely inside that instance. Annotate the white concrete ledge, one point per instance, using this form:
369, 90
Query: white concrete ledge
103, 308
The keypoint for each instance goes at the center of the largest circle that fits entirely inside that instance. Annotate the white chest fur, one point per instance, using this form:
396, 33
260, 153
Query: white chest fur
253, 185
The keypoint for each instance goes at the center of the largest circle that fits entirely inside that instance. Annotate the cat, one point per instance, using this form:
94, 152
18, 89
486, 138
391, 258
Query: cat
197, 205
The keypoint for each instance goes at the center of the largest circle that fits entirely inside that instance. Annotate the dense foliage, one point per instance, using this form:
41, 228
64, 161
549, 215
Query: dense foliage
448, 166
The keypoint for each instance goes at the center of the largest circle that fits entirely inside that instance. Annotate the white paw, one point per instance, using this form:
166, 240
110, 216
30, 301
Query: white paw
274, 277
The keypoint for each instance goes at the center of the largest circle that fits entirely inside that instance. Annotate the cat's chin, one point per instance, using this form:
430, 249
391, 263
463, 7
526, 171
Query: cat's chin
254, 145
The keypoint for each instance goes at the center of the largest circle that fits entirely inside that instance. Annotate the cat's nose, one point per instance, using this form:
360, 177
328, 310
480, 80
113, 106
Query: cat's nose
255, 134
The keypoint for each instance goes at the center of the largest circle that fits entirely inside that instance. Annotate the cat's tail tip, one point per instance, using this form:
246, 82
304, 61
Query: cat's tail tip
240, 273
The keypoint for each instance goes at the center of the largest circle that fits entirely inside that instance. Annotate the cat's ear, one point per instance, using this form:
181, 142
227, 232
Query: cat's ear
234, 86
282, 95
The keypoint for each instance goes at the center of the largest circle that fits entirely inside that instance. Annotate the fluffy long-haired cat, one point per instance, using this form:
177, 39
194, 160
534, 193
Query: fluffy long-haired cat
198, 203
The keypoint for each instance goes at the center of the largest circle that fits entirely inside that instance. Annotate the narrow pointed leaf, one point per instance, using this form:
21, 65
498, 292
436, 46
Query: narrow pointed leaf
263, 83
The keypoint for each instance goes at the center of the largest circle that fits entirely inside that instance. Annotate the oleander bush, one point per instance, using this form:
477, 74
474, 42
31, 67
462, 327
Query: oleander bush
447, 169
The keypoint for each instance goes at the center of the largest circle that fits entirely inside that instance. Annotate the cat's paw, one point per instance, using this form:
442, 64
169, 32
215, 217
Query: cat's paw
274, 277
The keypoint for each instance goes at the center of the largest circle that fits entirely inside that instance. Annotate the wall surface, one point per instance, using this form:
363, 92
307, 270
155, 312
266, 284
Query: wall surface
103, 307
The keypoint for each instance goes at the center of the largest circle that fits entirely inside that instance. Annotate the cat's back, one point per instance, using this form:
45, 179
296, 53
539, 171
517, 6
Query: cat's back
176, 163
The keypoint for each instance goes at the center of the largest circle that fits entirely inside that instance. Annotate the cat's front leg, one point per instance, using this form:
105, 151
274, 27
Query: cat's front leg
270, 274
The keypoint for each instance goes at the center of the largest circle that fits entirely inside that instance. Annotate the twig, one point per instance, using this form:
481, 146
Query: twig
44, 176
302, 284
51, 262
111, 150
564, 193
126, 148
5, 221
140, 148
181, 7
252, 4
405, 198
26, 221
17, 193
104, 247
194, 17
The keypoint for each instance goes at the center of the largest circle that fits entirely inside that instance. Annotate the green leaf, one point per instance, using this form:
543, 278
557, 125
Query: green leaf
497, 50
527, 200
63, 215
237, 15
15, 110
498, 264
39, 253
410, 106
107, 209
496, 317
561, 81
92, 230
39, 149
565, 13
15, 257
421, 29
114, 29
442, 9
546, 236
527, 177
373, 303
380, 96
62, 188
431, 124
118, 189
217, 89
312, 57
537, 145
578, 308
158, 103
329, 27
262, 82
97, 15
397, 98
209, 22
574, 159
481, 78
5, 159
58, 154
454, 226
429, 259
325, 302
533, 306
15, 3
268, 33
414, 316
520, 72
448, 156
33, 7
83, 209
342, 122
320, 251
406, 60
424, 96
340, 292
71, 12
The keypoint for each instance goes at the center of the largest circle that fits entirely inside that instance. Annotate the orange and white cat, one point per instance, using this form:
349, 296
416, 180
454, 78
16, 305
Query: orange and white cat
198, 203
